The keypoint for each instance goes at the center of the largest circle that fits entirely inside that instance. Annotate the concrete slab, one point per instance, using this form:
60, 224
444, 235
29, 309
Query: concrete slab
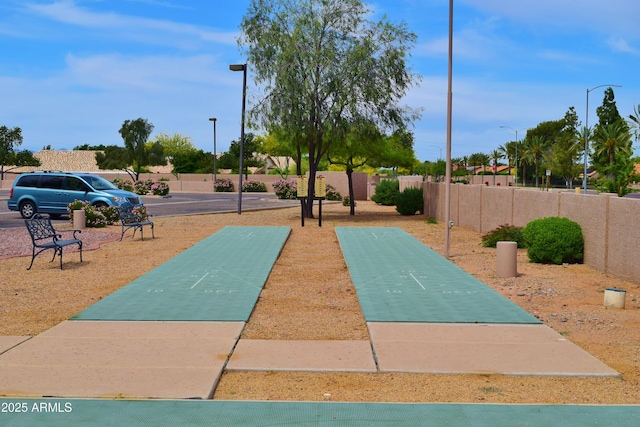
7, 343
120, 359
481, 349
335, 356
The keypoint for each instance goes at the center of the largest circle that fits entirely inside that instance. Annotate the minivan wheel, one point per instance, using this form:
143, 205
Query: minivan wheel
100, 205
27, 209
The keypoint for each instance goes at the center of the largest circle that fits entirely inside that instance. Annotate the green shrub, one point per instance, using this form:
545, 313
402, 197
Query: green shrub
410, 201
252, 186
554, 240
386, 192
285, 189
504, 233
332, 193
431, 220
94, 217
142, 187
223, 185
123, 185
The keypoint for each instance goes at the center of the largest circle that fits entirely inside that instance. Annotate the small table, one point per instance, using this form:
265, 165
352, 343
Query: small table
304, 208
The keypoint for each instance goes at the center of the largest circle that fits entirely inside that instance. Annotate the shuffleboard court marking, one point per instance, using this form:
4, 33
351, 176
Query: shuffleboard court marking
418, 282
200, 280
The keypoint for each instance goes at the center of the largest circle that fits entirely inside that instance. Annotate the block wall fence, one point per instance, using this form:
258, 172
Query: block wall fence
609, 223
203, 183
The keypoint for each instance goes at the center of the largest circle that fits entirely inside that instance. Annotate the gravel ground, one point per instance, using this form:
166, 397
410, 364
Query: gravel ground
309, 295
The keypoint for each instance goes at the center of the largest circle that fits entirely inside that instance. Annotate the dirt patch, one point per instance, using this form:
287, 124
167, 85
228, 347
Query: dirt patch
309, 296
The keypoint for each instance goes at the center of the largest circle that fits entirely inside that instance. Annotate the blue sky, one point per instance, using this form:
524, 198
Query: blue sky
71, 71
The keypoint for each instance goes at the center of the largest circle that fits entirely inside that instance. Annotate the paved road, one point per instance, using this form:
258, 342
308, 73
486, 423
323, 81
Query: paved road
174, 204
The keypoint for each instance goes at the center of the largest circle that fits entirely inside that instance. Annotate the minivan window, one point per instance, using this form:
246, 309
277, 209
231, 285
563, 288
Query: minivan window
28, 181
54, 182
98, 182
75, 184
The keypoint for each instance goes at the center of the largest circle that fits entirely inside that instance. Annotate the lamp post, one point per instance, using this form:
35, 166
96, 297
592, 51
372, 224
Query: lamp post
516, 131
437, 146
447, 176
586, 138
243, 68
215, 152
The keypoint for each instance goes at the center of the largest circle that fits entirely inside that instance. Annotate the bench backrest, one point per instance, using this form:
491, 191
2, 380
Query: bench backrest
127, 216
40, 228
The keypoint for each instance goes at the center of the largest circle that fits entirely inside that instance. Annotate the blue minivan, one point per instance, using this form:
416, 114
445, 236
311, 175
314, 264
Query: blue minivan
51, 192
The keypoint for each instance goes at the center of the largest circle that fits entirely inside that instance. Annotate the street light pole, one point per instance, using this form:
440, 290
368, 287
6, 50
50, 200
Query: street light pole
215, 152
447, 176
586, 138
437, 146
243, 68
516, 131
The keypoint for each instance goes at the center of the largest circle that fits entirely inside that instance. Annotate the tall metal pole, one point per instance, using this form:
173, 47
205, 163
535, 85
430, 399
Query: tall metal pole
215, 153
243, 68
447, 191
586, 138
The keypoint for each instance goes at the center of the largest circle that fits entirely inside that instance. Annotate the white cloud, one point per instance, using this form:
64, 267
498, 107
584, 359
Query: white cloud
621, 45
131, 27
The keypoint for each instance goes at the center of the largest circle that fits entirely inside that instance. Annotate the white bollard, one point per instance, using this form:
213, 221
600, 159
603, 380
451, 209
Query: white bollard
79, 219
507, 259
614, 298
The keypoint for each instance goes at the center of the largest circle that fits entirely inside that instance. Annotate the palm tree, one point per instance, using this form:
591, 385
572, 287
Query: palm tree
634, 122
507, 150
536, 146
495, 156
610, 140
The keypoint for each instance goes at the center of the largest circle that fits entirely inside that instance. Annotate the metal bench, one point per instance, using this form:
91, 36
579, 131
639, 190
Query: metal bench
44, 237
130, 219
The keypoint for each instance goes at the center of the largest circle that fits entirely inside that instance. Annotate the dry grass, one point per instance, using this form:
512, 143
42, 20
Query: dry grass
309, 295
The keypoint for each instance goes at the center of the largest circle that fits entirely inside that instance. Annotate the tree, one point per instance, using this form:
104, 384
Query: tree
113, 157
634, 122
612, 148
174, 144
495, 155
536, 147
363, 141
231, 158
608, 111
87, 147
565, 153
319, 62
135, 134
612, 152
9, 140
396, 152
180, 150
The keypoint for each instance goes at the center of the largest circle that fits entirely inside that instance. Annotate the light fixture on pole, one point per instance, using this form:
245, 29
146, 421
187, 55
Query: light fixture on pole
215, 152
586, 138
243, 68
516, 131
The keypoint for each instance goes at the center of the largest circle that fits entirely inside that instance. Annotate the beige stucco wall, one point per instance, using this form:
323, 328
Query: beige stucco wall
590, 211
623, 238
529, 204
204, 182
469, 206
496, 208
612, 241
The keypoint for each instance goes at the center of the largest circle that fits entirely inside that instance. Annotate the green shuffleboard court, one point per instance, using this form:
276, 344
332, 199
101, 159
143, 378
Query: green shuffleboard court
399, 279
217, 279
134, 413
